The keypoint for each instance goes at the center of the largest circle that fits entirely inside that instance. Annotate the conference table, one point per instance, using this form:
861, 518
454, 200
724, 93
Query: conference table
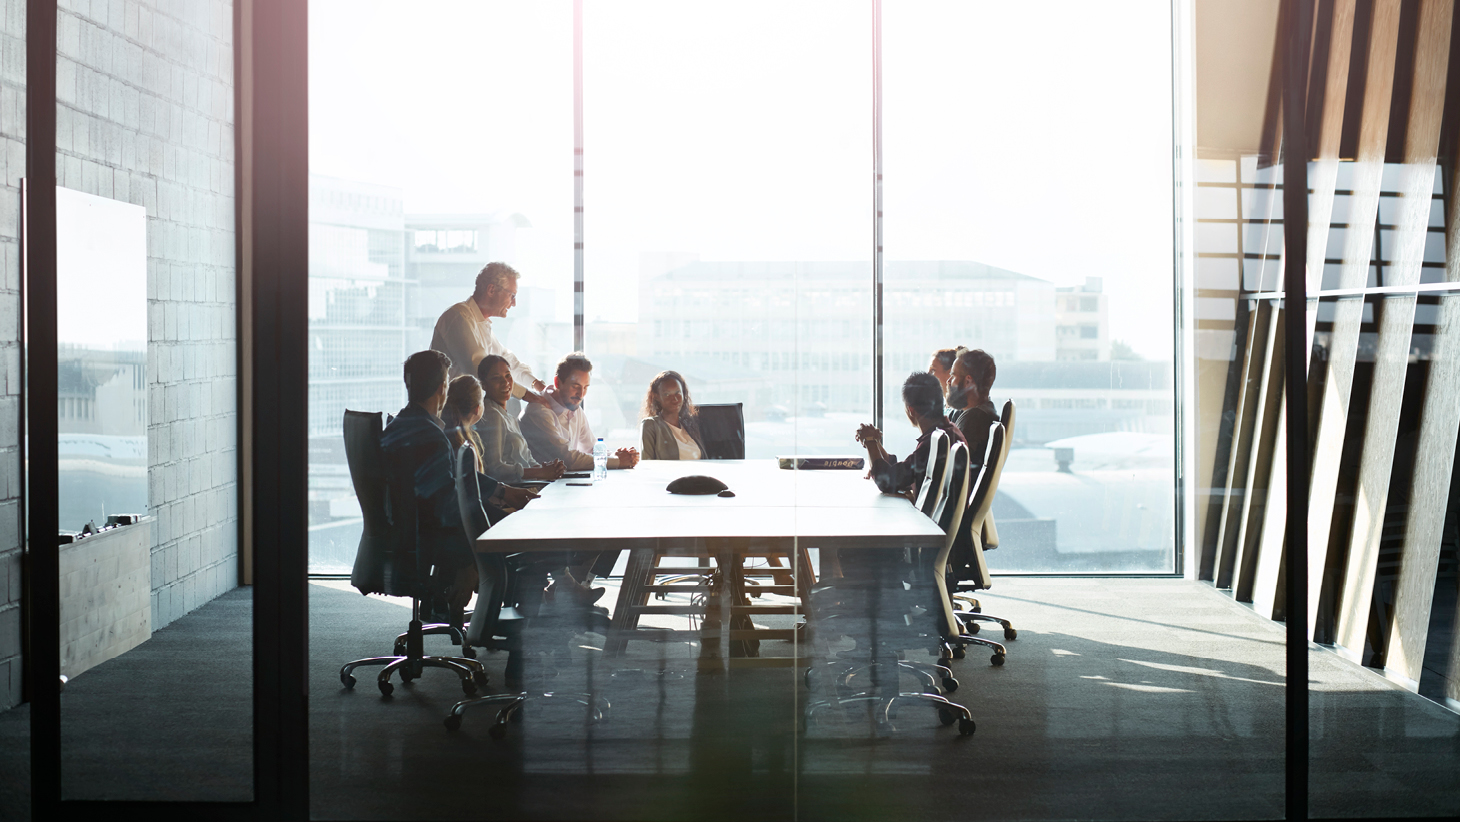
773, 509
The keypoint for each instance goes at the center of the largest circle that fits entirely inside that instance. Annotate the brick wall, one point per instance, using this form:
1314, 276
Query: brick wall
145, 115
12, 161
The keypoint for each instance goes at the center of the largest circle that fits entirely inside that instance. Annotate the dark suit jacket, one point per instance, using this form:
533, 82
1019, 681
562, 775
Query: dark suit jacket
418, 452
974, 423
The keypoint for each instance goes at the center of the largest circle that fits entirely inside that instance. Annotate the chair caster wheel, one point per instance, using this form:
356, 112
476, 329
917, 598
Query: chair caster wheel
946, 716
406, 676
1010, 634
966, 727
949, 684
997, 659
480, 678
945, 662
452, 722
468, 652
972, 627
497, 731
959, 652
347, 680
386, 689
468, 686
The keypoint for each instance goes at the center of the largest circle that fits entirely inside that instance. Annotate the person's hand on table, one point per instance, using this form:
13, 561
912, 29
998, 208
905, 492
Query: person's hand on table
627, 457
869, 436
516, 498
547, 471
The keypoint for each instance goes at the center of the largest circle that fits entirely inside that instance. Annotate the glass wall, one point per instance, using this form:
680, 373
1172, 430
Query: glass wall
1029, 215
728, 216
1380, 415
147, 404
440, 140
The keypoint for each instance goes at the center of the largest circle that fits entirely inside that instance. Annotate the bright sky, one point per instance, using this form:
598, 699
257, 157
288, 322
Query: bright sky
1034, 136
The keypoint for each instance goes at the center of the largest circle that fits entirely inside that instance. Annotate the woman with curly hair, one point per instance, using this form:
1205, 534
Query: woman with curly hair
670, 429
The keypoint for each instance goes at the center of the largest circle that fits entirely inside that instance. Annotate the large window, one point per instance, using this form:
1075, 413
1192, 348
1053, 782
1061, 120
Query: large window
410, 199
728, 214
1029, 215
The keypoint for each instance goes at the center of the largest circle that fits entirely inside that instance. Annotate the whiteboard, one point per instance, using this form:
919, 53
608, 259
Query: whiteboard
101, 272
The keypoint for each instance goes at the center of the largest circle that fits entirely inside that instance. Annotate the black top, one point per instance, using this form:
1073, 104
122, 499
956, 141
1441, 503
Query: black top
974, 423
894, 477
416, 446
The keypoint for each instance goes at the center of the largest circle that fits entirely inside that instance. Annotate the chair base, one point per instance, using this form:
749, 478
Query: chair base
457, 634
948, 712
935, 677
970, 620
512, 708
953, 645
471, 672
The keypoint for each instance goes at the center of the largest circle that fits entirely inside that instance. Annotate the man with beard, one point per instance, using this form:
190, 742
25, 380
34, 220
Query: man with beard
967, 393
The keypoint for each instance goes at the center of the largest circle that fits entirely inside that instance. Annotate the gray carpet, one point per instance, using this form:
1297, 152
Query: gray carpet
1122, 699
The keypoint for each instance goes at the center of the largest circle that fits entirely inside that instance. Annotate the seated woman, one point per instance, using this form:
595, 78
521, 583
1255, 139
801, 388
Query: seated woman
501, 447
922, 398
670, 429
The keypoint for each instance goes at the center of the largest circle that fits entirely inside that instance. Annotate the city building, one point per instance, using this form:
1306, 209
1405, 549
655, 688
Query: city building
1082, 324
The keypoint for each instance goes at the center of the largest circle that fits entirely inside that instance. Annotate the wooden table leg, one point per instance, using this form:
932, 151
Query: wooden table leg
631, 596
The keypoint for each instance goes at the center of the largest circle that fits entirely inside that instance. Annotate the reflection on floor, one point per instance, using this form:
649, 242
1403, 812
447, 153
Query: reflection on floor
1121, 699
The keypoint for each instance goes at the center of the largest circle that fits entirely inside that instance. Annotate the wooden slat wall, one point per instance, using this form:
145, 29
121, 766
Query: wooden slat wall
1396, 321
1358, 249
1241, 450
1267, 429
1409, 77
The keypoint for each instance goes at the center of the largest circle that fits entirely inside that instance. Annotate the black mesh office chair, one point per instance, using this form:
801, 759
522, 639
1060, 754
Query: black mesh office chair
387, 561
722, 427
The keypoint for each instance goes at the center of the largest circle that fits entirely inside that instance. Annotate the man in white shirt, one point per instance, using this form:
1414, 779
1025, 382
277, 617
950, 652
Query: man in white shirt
464, 331
557, 428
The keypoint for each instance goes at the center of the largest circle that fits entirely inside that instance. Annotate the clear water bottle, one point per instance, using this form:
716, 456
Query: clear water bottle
600, 461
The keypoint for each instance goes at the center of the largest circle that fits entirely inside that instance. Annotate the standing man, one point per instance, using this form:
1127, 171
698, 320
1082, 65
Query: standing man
464, 331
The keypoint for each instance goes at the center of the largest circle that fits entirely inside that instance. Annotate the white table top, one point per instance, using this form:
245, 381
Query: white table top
771, 506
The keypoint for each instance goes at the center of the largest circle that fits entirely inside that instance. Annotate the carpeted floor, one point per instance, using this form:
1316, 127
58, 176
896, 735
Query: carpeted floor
1121, 699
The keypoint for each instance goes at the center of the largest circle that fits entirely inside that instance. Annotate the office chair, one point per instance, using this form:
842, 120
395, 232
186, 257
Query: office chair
949, 575
990, 529
722, 427
990, 532
387, 561
509, 587
930, 493
973, 613
889, 604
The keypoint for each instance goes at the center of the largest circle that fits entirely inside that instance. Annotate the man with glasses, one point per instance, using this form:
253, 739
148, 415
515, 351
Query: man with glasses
464, 331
